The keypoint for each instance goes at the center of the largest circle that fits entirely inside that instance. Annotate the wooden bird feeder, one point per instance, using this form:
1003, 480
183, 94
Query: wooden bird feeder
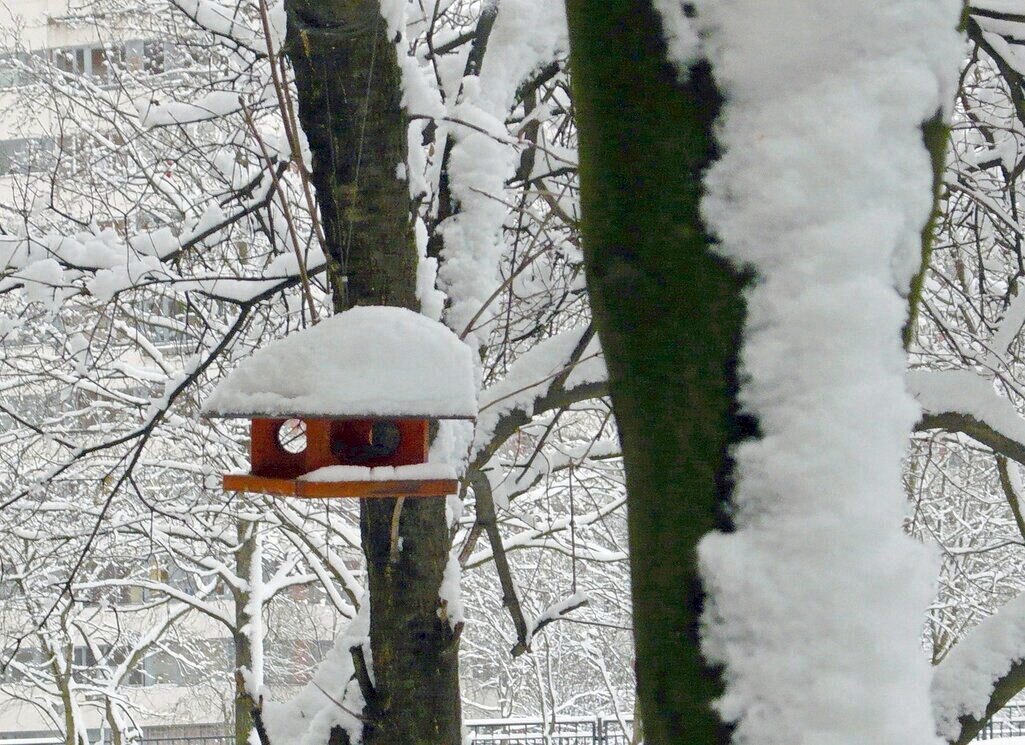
343, 409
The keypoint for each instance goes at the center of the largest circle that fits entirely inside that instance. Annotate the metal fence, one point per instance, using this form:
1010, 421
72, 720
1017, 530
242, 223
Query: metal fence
563, 731
1007, 728
575, 731
570, 731
567, 731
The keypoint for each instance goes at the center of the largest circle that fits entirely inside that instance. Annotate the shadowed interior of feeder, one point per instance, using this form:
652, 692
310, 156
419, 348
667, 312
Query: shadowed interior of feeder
288, 448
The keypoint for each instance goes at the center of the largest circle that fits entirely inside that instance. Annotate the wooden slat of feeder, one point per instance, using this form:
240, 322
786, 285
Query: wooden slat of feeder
258, 484
370, 489
351, 489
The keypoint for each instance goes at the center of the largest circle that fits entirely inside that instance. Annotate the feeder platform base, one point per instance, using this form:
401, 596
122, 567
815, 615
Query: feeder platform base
339, 489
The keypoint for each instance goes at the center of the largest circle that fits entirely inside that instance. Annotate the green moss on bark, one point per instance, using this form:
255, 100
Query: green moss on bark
936, 135
348, 83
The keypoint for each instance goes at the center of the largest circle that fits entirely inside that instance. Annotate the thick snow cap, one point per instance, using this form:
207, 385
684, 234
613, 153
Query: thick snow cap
368, 361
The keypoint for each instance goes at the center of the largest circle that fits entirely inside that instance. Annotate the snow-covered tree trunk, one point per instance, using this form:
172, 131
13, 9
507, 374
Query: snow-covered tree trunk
824, 187
669, 313
241, 639
814, 598
349, 88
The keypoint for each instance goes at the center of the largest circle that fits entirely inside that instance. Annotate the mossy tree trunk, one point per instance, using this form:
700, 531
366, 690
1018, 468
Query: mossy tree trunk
349, 89
669, 314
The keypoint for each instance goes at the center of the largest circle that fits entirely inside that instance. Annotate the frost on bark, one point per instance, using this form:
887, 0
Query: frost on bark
669, 314
349, 90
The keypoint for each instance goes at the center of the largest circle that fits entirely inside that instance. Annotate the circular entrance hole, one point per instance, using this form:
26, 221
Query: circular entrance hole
292, 436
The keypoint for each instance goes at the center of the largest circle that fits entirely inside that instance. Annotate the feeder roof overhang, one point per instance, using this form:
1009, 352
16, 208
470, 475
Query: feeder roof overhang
371, 361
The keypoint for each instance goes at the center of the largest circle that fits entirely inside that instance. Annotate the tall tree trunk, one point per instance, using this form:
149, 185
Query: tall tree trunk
669, 313
349, 90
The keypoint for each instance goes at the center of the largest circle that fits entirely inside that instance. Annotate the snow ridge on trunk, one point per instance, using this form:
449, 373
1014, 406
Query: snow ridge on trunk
816, 601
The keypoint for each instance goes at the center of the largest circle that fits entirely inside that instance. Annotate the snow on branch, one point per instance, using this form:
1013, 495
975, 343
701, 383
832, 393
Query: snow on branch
224, 22
213, 105
526, 35
333, 697
569, 360
966, 392
980, 673
963, 401
557, 611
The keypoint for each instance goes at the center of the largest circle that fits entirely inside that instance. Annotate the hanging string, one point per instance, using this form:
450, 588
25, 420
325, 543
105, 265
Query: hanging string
327, 536
359, 163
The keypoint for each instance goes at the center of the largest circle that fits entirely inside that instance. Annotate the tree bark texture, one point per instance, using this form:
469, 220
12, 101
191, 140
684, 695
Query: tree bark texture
349, 90
669, 314
936, 136
348, 82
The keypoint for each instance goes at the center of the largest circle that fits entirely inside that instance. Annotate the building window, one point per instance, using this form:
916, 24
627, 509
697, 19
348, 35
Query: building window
153, 54
25, 155
11, 72
17, 69
99, 67
96, 61
70, 60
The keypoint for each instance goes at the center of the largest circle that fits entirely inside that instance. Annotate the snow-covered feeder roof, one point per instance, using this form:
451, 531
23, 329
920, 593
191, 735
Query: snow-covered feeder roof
369, 361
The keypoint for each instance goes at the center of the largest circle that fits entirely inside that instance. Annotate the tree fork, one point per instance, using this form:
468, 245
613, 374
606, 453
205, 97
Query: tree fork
669, 313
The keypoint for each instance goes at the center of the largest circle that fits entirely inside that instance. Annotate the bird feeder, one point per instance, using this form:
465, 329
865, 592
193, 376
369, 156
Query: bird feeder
344, 408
